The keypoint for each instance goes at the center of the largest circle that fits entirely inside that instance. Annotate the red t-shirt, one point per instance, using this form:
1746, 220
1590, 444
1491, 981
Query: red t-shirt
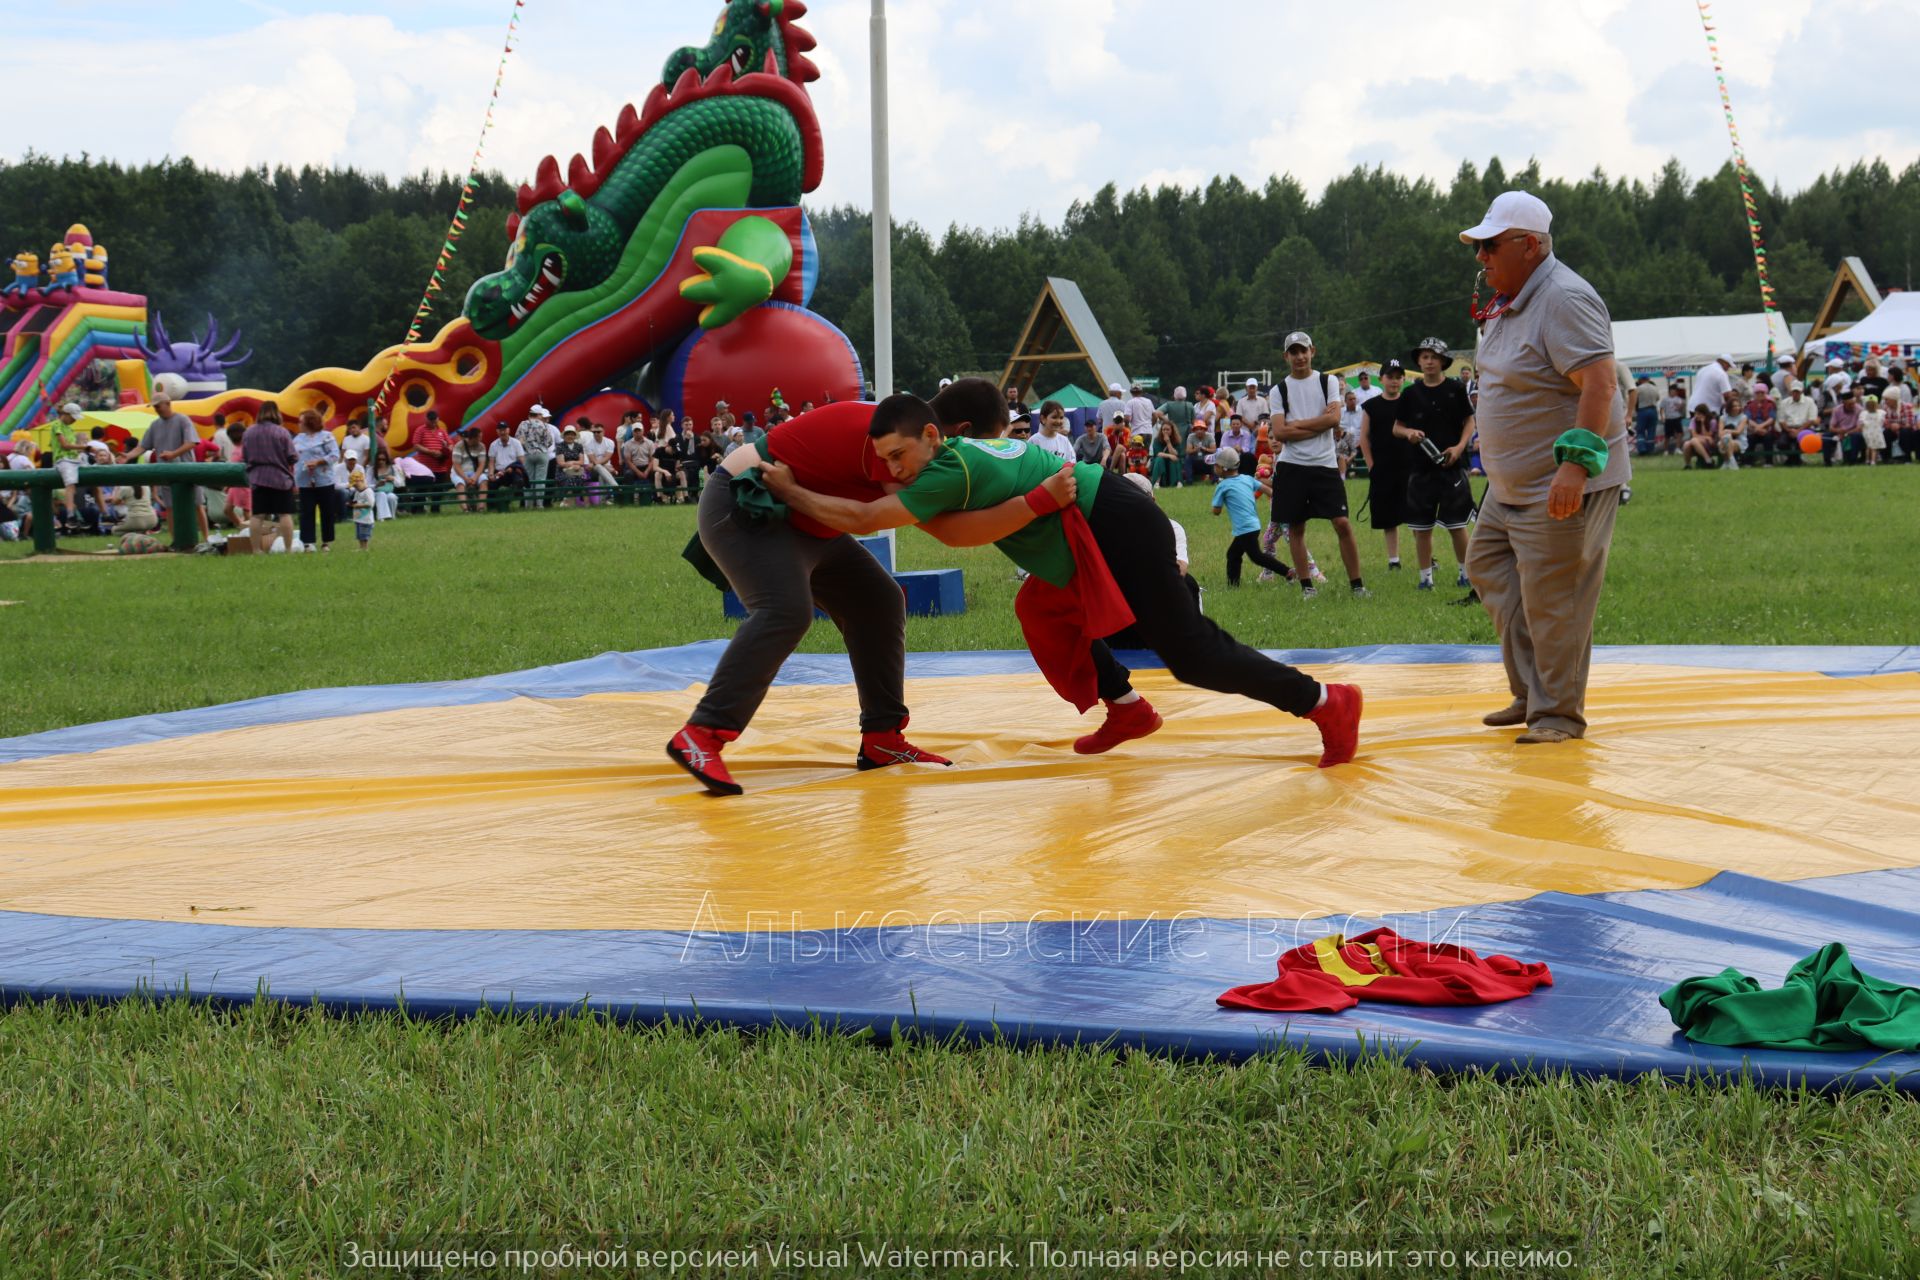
830, 453
434, 446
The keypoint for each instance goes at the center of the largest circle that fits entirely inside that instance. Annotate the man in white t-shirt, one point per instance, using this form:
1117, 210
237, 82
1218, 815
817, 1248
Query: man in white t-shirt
600, 450
1140, 413
1711, 384
1116, 402
1306, 409
1250, 405
1366, 390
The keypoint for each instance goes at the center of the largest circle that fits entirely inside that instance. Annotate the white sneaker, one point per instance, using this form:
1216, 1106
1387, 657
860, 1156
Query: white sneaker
1314, 572
1266, 575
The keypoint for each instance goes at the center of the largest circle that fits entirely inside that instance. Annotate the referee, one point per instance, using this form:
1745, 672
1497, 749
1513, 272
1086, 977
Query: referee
1553, 440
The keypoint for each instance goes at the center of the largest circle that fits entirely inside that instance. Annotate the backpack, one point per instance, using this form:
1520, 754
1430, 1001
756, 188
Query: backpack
1286, 410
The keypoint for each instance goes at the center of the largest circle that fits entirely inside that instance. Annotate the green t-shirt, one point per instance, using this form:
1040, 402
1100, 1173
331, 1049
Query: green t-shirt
971, 475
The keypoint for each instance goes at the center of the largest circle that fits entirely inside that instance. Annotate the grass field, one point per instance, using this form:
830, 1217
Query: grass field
171, 1140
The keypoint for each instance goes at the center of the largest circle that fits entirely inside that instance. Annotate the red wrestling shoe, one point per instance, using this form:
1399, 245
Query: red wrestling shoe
696, 749
1125, 722
1339, 721
878, 750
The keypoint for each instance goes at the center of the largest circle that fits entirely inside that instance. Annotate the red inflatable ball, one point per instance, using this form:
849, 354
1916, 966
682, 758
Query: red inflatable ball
1810, 442
775, 346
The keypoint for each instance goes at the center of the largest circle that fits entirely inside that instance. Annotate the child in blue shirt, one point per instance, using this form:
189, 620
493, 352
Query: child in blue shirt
1235, 494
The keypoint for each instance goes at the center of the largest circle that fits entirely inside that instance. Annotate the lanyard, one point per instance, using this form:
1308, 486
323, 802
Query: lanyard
1481, 315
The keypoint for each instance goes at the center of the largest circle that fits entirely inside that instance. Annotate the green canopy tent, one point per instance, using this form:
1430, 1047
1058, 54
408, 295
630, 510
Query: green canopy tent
1071, 396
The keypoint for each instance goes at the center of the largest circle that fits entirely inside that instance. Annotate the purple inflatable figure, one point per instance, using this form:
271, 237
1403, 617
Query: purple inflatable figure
201, 362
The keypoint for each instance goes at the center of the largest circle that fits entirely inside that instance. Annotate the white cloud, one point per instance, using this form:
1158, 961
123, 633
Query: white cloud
1005, 106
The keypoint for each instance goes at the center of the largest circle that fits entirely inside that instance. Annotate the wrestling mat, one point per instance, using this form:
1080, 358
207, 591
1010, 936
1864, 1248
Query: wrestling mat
523, 840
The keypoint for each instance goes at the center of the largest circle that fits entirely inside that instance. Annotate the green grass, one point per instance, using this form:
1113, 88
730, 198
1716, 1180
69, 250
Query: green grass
172, 1140
1801, 556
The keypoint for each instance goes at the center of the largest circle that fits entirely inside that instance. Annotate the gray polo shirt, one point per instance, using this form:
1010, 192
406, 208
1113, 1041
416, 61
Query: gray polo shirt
1555, 325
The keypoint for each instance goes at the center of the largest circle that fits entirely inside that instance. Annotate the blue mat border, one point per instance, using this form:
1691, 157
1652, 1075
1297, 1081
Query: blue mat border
1140, 985
667, 670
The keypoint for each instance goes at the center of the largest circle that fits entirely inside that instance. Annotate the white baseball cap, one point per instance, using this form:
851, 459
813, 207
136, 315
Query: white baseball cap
540, 411
1724, 358
1296, 339
70, 407
1253, 382
1115, 387
945, 383
1836, 363
1511, 211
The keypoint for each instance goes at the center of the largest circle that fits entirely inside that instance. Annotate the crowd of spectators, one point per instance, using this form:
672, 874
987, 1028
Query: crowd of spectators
1845, 413
1720, 418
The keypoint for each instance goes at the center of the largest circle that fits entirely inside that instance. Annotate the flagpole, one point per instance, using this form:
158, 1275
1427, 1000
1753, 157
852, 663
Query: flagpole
882, 214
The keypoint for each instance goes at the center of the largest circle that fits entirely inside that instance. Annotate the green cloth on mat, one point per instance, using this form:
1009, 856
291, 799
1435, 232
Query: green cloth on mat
1825, 1004
754, 503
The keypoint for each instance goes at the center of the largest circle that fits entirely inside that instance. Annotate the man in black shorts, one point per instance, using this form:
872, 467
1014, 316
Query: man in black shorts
1437, 419
1388, 463
1306, 477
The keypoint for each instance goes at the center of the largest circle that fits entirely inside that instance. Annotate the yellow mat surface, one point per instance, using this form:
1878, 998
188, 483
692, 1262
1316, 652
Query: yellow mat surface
566, 814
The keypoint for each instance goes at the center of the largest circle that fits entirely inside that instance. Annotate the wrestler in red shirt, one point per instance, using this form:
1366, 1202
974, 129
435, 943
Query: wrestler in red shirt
782, 569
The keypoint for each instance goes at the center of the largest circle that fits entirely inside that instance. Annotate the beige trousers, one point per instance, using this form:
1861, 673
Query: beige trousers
1539, 579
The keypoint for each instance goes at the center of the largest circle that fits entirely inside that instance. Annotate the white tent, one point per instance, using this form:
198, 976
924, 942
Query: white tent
1682, 344
1891, 332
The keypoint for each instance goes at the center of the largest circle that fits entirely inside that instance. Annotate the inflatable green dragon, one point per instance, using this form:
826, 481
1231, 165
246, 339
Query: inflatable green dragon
685, 219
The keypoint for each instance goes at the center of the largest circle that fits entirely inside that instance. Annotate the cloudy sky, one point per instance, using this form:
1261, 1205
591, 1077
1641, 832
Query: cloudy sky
999, 106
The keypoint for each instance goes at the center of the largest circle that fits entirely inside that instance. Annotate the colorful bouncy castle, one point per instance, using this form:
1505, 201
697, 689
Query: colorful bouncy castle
54, 328
674, 250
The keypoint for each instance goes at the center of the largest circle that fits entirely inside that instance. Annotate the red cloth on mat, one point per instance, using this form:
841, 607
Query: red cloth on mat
1337, 973
1060, 623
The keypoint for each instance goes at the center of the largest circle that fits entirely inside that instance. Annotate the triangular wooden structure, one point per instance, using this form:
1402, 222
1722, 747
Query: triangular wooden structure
1061, 308
1850, 280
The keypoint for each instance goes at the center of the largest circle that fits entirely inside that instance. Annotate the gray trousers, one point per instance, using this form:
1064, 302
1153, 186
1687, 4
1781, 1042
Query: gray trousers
779, 575
1539, 579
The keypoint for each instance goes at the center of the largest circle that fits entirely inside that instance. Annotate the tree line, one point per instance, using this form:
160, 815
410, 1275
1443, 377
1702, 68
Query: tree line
325, 266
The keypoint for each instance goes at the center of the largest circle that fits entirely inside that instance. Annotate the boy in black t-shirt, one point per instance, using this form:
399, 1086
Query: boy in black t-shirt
1389, 459
1436, 416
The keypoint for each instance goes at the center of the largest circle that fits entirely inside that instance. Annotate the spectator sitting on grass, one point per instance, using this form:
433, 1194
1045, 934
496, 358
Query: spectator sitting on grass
1703, 442
1091, 447
1166, 469
137, 514
1733, 432
1200, 447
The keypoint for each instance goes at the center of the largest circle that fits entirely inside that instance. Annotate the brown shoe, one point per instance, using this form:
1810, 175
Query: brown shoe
1508, 716
1545, 734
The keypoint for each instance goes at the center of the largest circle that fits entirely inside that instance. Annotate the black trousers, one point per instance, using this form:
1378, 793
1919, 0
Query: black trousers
1248, 545
780, 574
1137, 541
321, 498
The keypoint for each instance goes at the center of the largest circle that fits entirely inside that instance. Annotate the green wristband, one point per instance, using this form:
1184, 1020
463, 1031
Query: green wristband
1584, 447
